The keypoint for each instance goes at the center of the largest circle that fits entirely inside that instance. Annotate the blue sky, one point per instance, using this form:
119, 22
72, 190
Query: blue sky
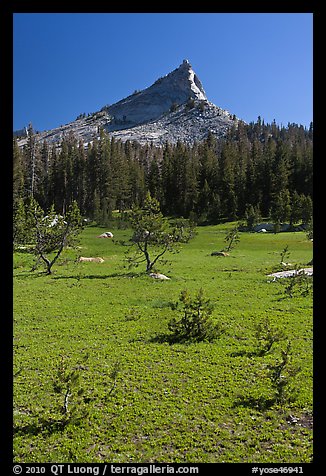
252, 64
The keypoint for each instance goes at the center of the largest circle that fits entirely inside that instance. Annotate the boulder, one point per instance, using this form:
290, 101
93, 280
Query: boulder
84, 259
158, 276
107, 234
291, 272
220, 253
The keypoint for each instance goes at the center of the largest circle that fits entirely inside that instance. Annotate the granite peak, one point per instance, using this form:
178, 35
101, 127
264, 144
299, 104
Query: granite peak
174, 108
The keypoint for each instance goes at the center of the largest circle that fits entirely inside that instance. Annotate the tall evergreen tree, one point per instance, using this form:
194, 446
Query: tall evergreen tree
30, 152
258, 164
18, 174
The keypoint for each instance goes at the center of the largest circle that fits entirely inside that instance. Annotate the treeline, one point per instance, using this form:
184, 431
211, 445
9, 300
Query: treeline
256, 170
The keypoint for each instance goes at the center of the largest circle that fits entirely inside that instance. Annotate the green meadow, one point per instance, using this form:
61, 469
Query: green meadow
140, 398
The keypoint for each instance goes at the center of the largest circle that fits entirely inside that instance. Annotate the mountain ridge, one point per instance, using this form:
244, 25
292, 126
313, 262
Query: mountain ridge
174, 108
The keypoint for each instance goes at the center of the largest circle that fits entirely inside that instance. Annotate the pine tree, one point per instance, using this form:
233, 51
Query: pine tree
296, 208
154, 180
81, 178
42, 195
228, 192
306, 209
53, 232
22, 223
191, 192
18, 174
152, 234
252, 216
168, 181
281, 208
31, 160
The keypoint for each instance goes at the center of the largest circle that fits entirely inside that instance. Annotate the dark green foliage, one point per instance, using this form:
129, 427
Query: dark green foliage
153, 235
68, 384
75, 397
22, 223
310, 229
285, 254
266, 335
252, 216
232, 238
195, 324
281, 374
53, 232
18, 174
173, 107
201, 106
113, 375
300, 284
281, 207
255, 170
190, 103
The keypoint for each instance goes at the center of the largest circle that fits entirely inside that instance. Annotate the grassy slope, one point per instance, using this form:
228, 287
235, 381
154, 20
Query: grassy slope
172, 403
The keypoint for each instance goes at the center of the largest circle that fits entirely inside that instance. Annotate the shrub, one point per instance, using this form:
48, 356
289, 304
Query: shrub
232, 238
300, 284
75, 397
281, 375
285, 254
190, 104
196, 323
67, 383
266, 335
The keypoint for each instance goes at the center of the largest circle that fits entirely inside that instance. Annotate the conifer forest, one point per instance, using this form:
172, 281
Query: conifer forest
258, 169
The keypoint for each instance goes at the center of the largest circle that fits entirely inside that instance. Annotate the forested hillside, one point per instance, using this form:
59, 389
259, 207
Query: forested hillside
258, 169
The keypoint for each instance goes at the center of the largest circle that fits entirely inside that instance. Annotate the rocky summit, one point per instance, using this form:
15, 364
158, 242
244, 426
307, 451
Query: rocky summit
174, 108
148, 105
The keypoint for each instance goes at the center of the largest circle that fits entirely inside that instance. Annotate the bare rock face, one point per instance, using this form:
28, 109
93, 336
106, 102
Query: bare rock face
188, 123
168, 92
174, 108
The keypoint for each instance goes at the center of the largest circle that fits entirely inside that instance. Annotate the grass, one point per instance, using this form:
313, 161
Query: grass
198, 402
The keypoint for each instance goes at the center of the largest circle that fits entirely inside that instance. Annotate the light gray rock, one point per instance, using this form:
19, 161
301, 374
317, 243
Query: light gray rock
106, 234
291, 272
174, 108
184, 124
149, 104
84, 259
159, 276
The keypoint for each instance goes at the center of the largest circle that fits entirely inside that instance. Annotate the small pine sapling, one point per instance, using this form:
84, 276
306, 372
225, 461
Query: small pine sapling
284, 255
267, 335
232, 238
195, 323
116, 369
281, 375
299, 284
67, 383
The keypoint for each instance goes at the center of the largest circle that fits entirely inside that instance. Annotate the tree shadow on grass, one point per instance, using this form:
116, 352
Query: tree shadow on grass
42, 425
260, 403
101, 276
28, 274
166, 338
162, 338
246, 353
